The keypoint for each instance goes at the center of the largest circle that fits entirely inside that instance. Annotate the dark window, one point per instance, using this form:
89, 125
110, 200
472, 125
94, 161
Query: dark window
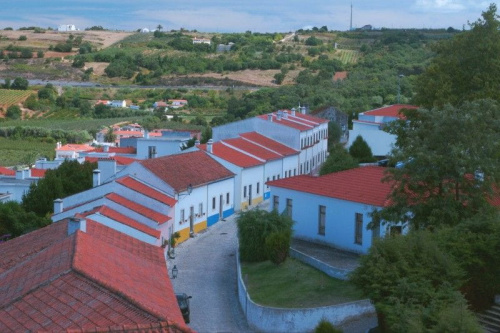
213, 203
227, 198
276, 202
244, 191
258, 188
200, 209
322, 220
151, 151
289, 207
358, 233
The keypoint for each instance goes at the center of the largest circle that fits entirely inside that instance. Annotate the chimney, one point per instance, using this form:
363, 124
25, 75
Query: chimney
197, 143
58, 206
20, 174
106, 149
75, 224
96, 178
210, 146
303, 109
285, 114
107, 167
27, 173
293, 112
146, 134
270, 117
278, 115
58, 145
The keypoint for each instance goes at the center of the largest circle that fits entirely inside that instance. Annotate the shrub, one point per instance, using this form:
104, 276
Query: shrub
361, 151
23, 37
278, 245
13, 112
253, 228
324, 326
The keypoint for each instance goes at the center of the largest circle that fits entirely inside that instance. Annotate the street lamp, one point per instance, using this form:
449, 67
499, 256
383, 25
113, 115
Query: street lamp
189, 190
175, 271
400, 76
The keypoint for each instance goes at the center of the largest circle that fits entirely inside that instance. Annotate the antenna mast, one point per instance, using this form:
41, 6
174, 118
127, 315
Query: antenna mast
350, 27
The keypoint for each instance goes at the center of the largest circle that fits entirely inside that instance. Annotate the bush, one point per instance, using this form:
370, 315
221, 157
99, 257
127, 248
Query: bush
13, 112
278, 245
338, 160
324, 326
253, 228
361, 151
23, 37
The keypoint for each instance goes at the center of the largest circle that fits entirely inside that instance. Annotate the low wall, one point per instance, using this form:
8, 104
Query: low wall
269, 319
338, 273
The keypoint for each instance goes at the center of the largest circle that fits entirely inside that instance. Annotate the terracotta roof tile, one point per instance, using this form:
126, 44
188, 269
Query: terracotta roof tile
75, 147
180, 170
309, 118
269, 143
38, 173
118, 150
286, 122
7, 172
147, 190
140, 209
390, 111
363, 185
233, 156
252, 149
119, 159
340, 76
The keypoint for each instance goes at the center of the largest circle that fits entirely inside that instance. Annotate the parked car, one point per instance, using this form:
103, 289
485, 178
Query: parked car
183, 301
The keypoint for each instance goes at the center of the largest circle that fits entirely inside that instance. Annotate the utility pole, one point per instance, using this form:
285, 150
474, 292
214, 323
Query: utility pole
350, 26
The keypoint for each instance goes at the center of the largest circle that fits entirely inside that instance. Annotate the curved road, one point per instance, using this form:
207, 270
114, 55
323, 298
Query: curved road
207, 271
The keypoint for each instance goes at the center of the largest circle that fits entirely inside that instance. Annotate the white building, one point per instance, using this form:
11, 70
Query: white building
66, 27
16, 183
370, 125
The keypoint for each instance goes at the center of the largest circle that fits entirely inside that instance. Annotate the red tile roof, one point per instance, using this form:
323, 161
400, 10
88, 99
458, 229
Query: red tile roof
147, 190
75, 147
269, 143
7, 172
390, 111
118, 150
309, 118
38, 173
181, 170
114, 215
100, 278
119, 159
340, 76
286, 122
233, 156
363, 185
140, 209
252, 149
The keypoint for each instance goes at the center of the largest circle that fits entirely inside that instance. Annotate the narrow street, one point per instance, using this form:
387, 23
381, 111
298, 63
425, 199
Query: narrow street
207, 271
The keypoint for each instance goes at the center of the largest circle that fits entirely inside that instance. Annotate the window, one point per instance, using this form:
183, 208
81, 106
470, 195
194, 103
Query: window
278, 176
322, 220
244, 191
182, 216
213, 203
267, 186
151, 151
358, 233
227, 198
276, 202
289, 207
300, 171
200, 209
274, 177
258, 188
295, 172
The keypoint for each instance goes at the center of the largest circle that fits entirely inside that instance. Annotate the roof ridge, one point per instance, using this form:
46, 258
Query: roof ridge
242, 151
260, 145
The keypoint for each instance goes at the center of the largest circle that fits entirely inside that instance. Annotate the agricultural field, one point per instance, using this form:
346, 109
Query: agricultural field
91, 125
348, 56
16, 151
9, 97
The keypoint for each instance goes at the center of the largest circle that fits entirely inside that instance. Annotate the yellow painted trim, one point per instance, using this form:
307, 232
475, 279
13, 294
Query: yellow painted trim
257, 201
200, 226
185, 232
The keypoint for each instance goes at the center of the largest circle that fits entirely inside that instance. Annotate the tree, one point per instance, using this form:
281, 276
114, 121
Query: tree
6, 84
14, 220
13, 112
206, 134
465, 67
71, 177
39, 54
449, 165
110, 135
361, 151
19, 84
150, 123
23, 37
338, 160
159, 27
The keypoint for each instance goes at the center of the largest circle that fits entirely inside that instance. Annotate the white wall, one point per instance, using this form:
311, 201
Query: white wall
379, 141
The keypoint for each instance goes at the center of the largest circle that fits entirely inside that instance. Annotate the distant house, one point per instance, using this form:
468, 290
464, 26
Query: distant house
370, 125
16, 183
177, 103
79, 275
71, 151
66, 27
340, 76
118, 104
144, 30
334, 209
367, 27
160, 104
201, 41
224, 47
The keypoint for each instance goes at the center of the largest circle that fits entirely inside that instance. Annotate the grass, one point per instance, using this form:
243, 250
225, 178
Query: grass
295, 285
68, 124
16, 152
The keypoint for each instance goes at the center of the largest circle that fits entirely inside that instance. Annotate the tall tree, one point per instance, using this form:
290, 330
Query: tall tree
449, 168
466, 67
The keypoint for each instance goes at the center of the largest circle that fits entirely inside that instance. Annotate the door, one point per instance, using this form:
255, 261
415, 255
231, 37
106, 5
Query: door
249, 195
191, 221
221, 205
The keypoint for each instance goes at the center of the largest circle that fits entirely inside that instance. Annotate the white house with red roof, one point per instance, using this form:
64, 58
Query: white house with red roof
370, 125
16, 183
297, 130
254, 159
79, 275
334, 209
177, 103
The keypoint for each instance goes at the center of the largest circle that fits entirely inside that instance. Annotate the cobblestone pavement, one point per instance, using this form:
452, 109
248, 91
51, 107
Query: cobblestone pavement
207, 271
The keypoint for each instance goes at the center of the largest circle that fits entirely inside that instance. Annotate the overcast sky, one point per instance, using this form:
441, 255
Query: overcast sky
241, 15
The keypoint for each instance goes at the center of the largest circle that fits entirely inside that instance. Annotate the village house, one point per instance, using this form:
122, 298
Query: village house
201, 41
370, 126
177, 103
79, 275
71, 151
334, 209
14, 184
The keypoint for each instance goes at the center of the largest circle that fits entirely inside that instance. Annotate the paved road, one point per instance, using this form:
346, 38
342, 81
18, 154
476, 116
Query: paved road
207, 271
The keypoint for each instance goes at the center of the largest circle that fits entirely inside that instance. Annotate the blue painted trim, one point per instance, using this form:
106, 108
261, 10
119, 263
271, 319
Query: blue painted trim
228, 212
211, 220
267, 195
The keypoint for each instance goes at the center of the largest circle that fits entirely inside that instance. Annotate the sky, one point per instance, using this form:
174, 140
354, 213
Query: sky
241, 15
